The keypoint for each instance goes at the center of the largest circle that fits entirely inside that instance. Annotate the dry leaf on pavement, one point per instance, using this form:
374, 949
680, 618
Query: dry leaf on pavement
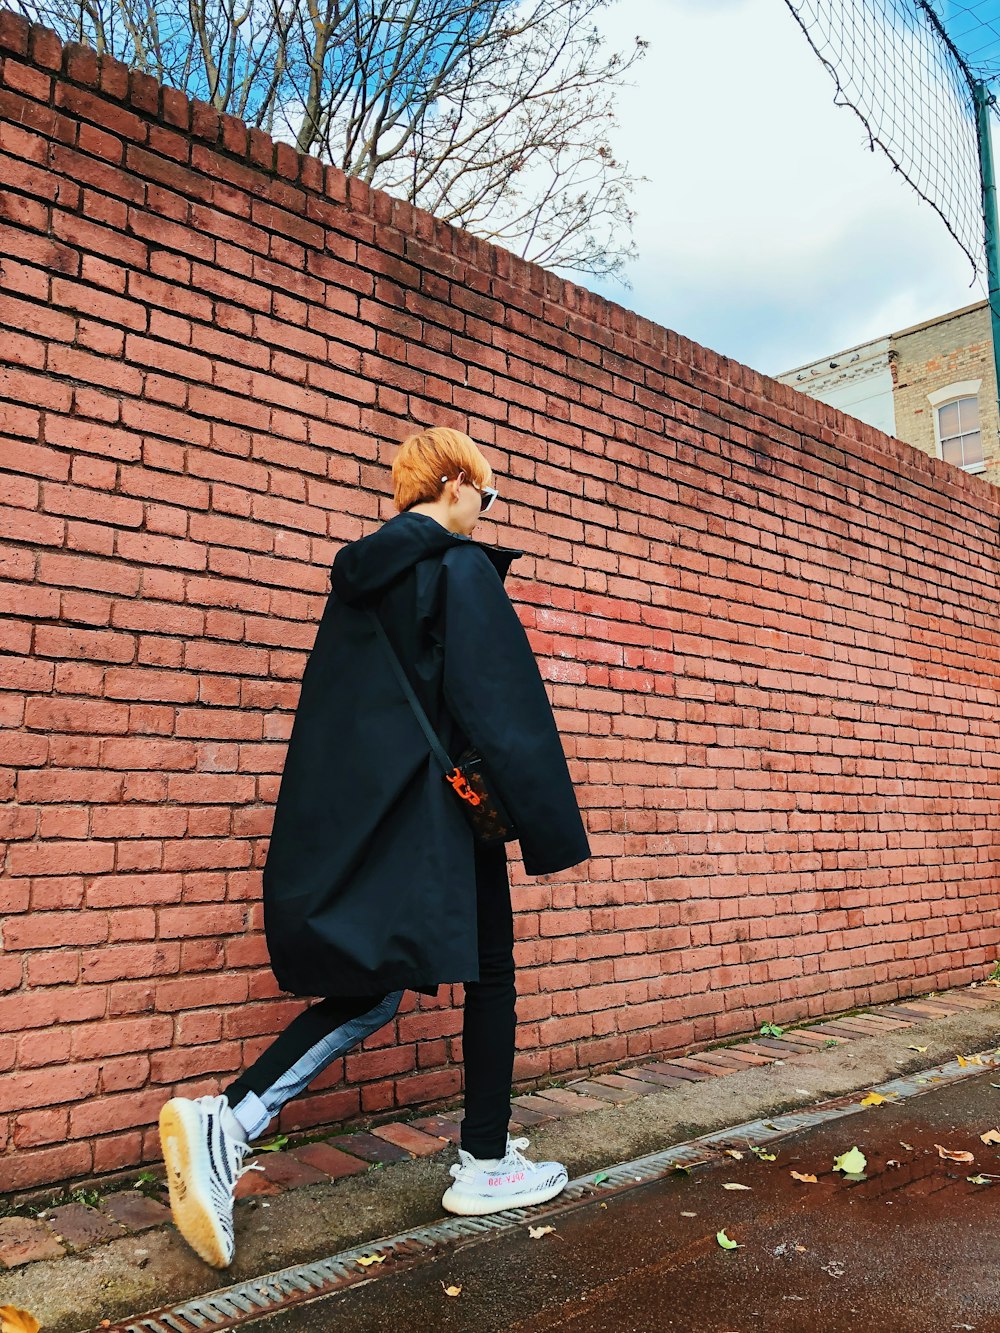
954, 1156
809, 1180
852, 1163
451, 1291
13, 1320
366, 1260
736, 1187
536, 1232
991, 1136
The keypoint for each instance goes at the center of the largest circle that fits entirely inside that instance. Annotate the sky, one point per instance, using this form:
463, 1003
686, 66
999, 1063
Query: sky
767, 230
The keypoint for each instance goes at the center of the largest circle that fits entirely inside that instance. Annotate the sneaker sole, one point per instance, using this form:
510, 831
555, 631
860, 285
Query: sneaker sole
186, 1158
471, 1205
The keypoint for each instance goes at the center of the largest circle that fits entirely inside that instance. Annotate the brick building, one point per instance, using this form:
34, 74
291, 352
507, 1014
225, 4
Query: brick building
933, 386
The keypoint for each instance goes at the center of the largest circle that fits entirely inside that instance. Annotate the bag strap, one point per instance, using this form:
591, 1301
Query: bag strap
432, 736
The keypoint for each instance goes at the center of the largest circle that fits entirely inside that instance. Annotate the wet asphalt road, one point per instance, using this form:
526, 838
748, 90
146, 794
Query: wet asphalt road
913, 1248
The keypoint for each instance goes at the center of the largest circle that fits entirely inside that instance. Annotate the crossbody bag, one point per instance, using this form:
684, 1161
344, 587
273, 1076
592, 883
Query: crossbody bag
467, 778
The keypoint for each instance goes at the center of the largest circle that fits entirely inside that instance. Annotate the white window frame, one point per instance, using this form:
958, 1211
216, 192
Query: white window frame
951, 393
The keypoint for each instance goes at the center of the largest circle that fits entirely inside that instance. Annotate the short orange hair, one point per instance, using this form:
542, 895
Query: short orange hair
427, 456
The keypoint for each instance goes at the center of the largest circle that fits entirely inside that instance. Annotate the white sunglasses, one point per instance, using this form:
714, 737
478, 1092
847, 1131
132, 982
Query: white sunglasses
487, 494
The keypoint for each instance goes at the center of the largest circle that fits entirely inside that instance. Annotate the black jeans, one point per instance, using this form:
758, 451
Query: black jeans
332, 1026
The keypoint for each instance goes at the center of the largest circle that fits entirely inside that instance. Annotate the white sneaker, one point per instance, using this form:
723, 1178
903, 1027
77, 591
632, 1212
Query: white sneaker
483, 1186
203, 1165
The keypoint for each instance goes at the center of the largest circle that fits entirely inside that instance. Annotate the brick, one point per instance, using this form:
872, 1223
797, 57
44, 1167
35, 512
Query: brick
649, 1074
80, 1227
410, 1139
370, 1149
543, 1106
438, 1127
256, 1183
25, 1240
524, 1117
47, 1087
289, 1172
330, 1160
575, 1102
134, 1211
14, 32
739, 1057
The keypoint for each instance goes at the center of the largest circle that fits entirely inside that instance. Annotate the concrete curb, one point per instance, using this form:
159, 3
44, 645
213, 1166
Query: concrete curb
78, 1264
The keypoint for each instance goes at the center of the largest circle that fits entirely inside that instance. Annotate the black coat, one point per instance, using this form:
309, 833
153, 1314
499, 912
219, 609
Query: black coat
369, 884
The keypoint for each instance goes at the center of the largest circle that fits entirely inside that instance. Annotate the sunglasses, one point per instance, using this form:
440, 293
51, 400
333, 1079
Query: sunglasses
487, 494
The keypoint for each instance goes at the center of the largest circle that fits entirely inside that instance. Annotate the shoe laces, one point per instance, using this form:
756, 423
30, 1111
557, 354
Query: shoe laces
513, 1159
241, 1150
237, 1147
514, 1155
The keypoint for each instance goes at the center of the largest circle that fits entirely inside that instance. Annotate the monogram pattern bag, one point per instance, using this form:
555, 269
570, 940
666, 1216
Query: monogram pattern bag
468, 778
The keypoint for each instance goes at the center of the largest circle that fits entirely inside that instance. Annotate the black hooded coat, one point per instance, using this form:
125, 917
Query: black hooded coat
369, 884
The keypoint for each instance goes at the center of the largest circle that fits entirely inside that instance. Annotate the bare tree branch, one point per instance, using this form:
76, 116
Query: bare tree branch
495, 115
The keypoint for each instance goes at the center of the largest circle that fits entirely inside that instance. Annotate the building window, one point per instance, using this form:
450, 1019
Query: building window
958, 431
957, 426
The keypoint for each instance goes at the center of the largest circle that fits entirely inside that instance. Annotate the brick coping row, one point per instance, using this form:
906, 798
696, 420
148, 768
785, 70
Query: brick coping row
74, 1227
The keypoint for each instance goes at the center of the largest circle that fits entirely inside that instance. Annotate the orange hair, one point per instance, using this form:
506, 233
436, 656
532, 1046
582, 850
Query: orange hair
427, 456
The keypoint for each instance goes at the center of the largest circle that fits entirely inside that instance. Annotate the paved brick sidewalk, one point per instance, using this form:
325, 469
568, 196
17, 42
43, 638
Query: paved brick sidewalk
77, 1226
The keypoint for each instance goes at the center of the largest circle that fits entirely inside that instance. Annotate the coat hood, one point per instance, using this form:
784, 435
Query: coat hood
363, 569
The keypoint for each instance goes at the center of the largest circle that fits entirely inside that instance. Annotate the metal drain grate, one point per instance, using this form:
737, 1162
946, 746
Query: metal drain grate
245, 1302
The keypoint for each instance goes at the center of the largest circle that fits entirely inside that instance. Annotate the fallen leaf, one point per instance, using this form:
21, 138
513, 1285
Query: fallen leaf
991, 1136
366, 1260
906, 1145
801, 1249
13, 1320
604, 1205
852, 1163
275, 1145
734, 1152
954, 1156
451, 1291
736, 1187
762, 1155
689, 1214
873, 1099
964, 1060
918, 1048
536, 1232
978, 1180
808, 1180
600, 1178
725, 1242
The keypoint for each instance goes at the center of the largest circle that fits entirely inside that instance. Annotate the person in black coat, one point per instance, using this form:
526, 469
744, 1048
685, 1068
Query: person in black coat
374, 882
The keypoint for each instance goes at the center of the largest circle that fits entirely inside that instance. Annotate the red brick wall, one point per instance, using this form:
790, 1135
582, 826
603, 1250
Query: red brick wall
769, 632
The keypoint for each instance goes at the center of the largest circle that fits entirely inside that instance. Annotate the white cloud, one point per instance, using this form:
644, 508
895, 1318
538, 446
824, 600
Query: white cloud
767, 229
